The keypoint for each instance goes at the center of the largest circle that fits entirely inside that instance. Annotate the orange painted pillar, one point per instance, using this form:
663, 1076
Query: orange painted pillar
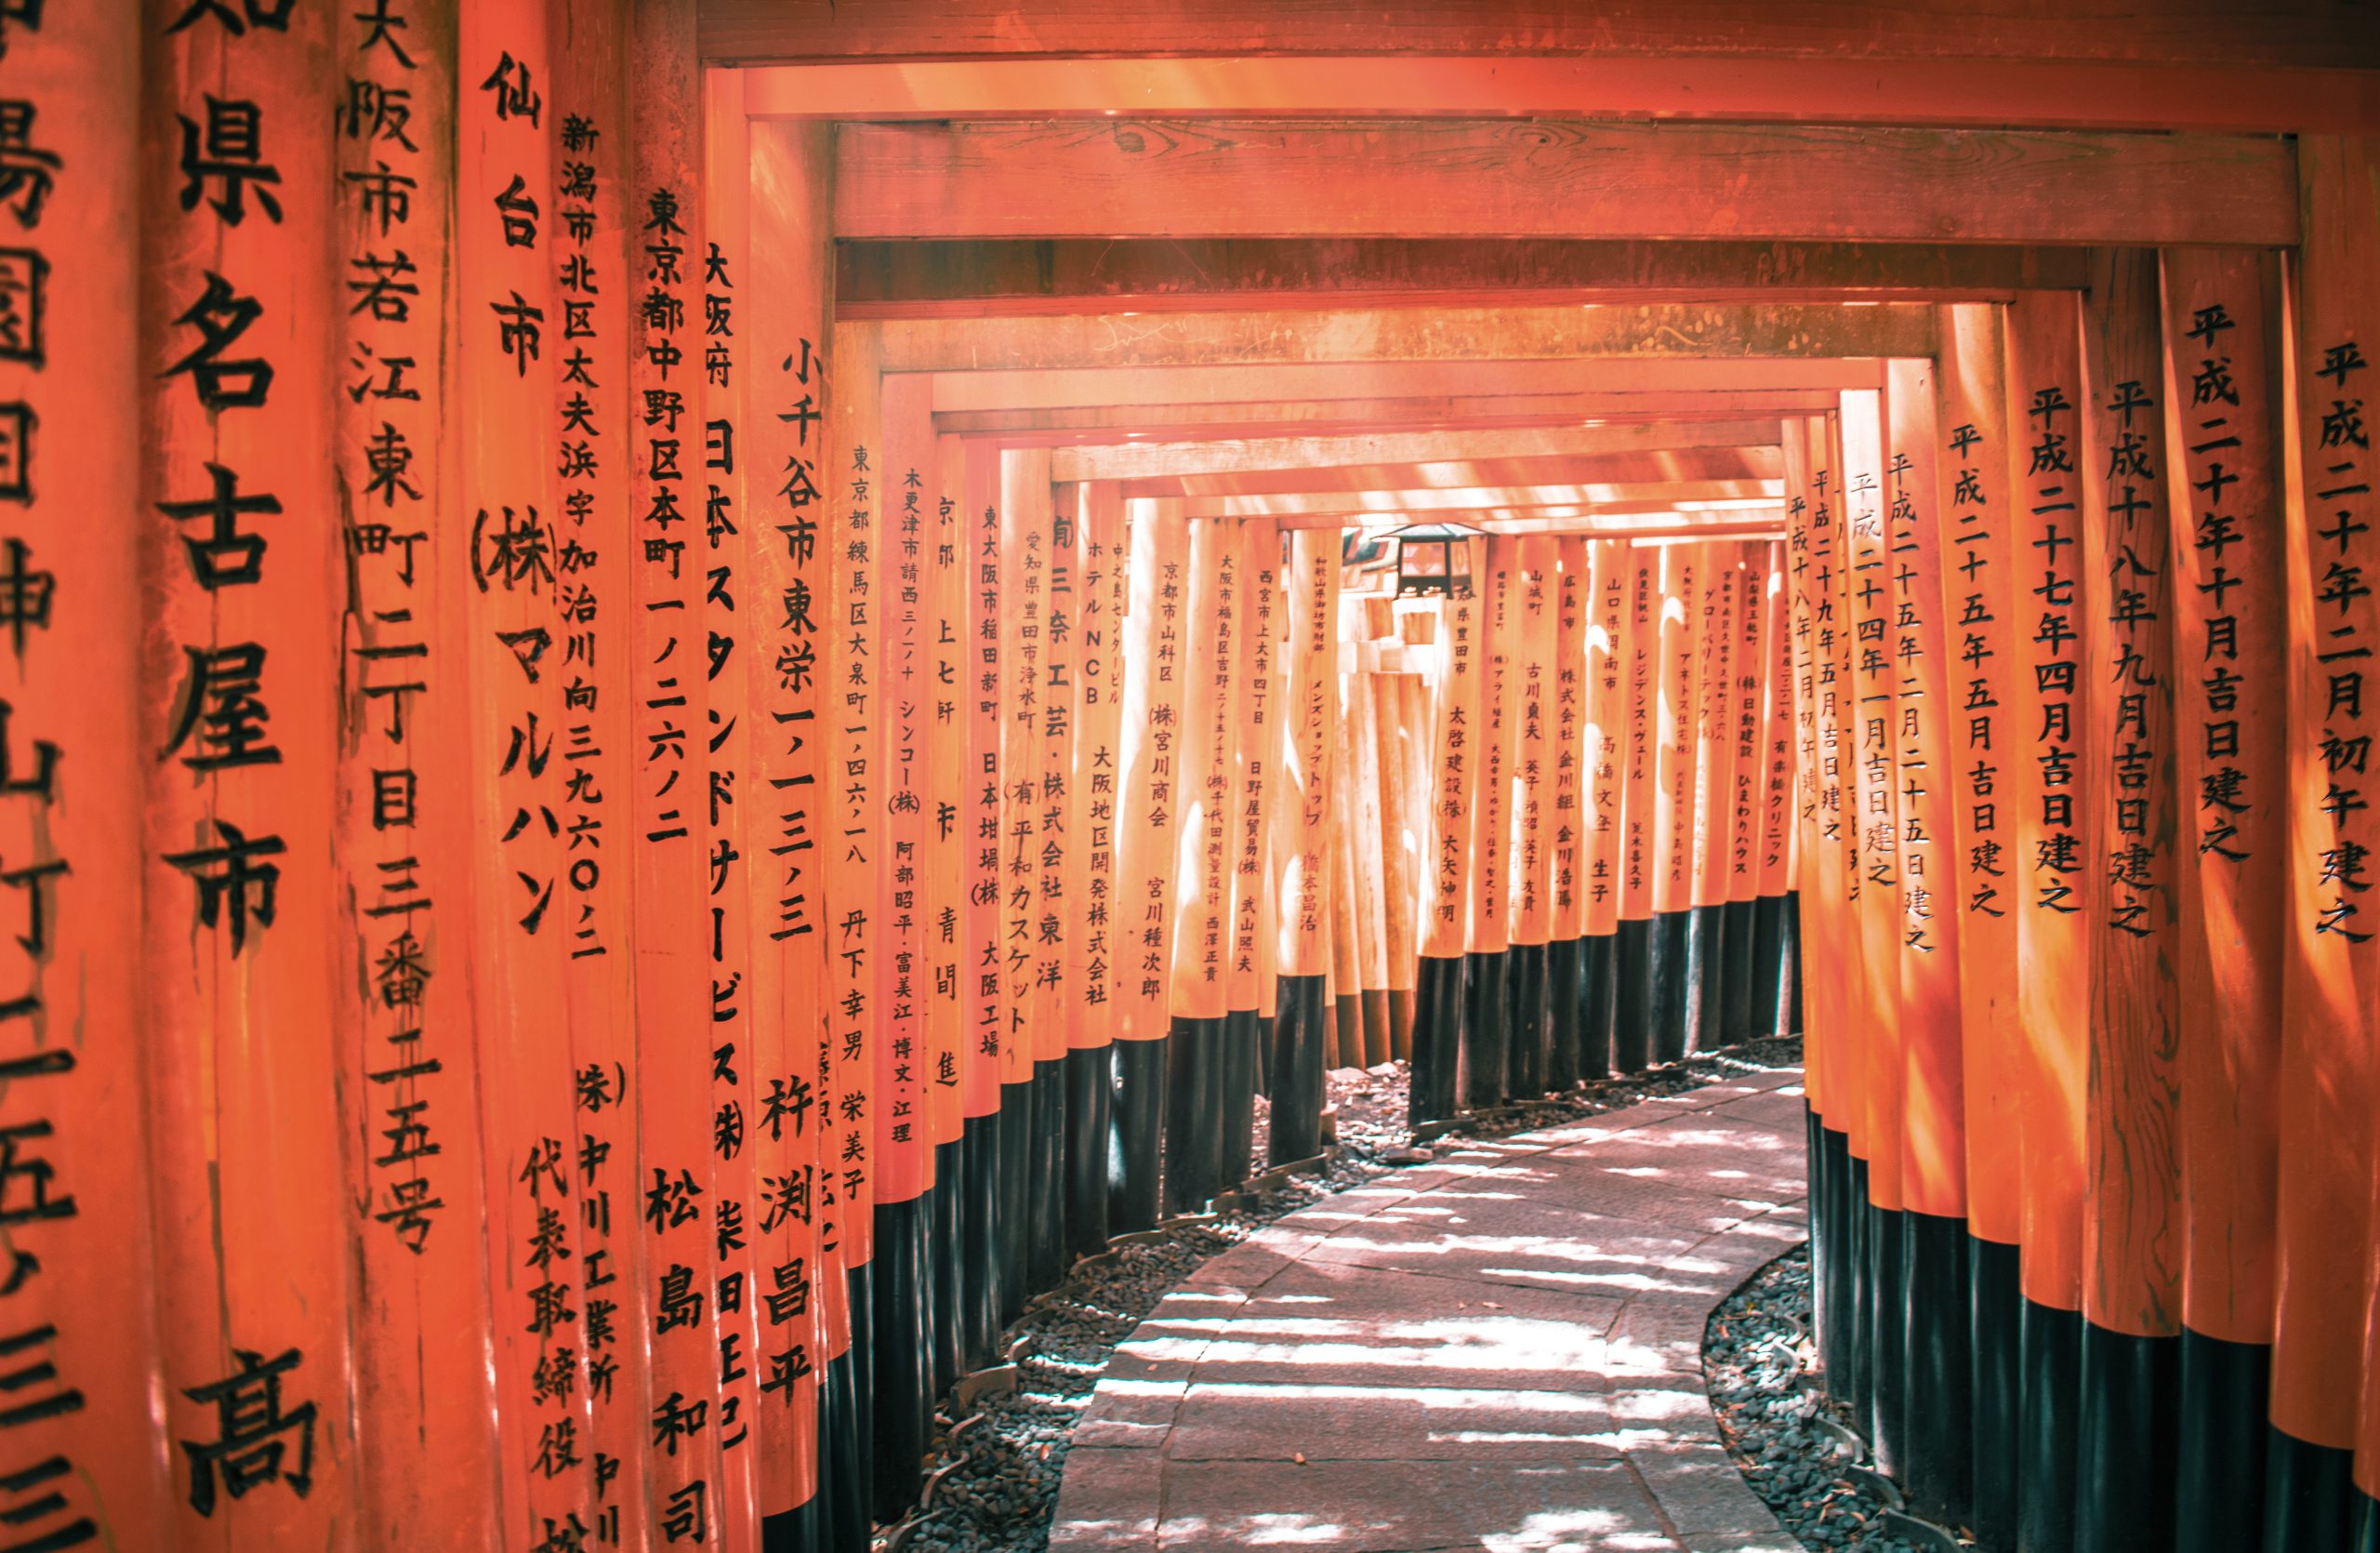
2339, 337
2264, 809
1441, 982
1637, 980
1255, 735
1709, 826
1683, 569
1566, 954
80, 1030
1202, 882
2132, 1240
1302, 833
1747, 704
1487, 1026
988, 1073
787, 790
1933, 1144
1102, 581
2058, 838
1151, 756
1529, 759
1605, 634
907, 466
1055, 1008
942, 902
1981, 617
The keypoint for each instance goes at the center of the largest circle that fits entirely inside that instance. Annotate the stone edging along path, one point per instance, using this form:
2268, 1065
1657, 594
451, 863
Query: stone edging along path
1501, 1349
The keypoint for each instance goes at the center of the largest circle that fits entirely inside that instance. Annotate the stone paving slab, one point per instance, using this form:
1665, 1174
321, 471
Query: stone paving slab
1500, 1349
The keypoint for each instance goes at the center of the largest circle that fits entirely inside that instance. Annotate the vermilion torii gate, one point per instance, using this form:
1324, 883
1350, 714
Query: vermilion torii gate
694, 687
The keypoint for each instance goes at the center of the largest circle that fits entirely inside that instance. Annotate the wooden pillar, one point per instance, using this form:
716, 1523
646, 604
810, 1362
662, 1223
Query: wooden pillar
1301, 857
1778, 978
1744, 800
1050, 719
1529, 761
942, 905
2132, 1241
1486, 1029
1201, 882
787, 788
1400, 845
1635, 945
1151, 758
1255, 735
2339, 337
1683, 569
1099, 623
1446, 901
1981, 615
2058, 838
1564, 953
2255, 764
1933, 1164
1707, 827
74, 524
1608, 638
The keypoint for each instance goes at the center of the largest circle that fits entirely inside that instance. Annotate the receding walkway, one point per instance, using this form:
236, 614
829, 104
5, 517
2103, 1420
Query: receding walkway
1500, 1349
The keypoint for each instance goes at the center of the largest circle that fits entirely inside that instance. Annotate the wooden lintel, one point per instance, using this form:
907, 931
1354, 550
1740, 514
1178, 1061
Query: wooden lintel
1390, 379
1217, 458
2100, 94
2222, 34
1710, 331
1085, 425
1558, 178
1663, 495
1040, 277
1588, 469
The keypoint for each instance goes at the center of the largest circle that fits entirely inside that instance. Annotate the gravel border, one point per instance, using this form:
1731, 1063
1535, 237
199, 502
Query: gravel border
993, 1476
1795, 1444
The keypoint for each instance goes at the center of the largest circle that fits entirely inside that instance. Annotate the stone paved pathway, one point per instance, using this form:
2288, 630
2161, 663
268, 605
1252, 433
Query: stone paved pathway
1500, 1349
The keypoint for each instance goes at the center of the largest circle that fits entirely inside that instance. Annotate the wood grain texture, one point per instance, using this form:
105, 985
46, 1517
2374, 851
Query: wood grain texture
1555, 179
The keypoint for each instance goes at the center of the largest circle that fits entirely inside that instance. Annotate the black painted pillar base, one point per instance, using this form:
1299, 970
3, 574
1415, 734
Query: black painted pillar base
1838, 1324
843, 1489
1566, 1001
1821, 1225
1528, 1049
1047, 1227
946, 1259
1137, 1153
1089, 1093
1995, 1322
2048, 1432
1596, 963
902, 1385
980, 1232
1703, 954
1438, 1037
1859, 1326
1380, 1029
1487, 1024
1014, 1244
1673, 973
794, 1531
1635, 971
1347, 1026
2123, 1474
1789, 964
1193, 1097
1400, 1023
2220, 1452
1235, 1133
1741, 926
1298, 1091
1889, 1357
2309, 1493
2367, 1523
1938, 1475
1768, 992
860, 1284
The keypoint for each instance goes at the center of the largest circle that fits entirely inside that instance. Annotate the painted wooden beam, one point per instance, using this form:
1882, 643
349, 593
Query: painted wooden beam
1716, 331
1198, 460
2236, 32
1042, 276
993, 390
1108, 425
1274, 178
1691, 463
1585, 497
1776, 87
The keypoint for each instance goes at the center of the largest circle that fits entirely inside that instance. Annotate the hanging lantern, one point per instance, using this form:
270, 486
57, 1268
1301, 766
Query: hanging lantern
1434, 558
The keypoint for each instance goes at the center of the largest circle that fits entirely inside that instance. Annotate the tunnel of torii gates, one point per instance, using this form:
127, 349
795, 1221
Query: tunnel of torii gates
690, 691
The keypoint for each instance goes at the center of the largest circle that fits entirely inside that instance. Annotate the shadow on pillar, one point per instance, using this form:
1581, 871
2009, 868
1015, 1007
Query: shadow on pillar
1528, 1046
1438, 1037
2124, 1485
1090, 1091
1135, 1161
1995, 1319
1298, 1090
1487, 1023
